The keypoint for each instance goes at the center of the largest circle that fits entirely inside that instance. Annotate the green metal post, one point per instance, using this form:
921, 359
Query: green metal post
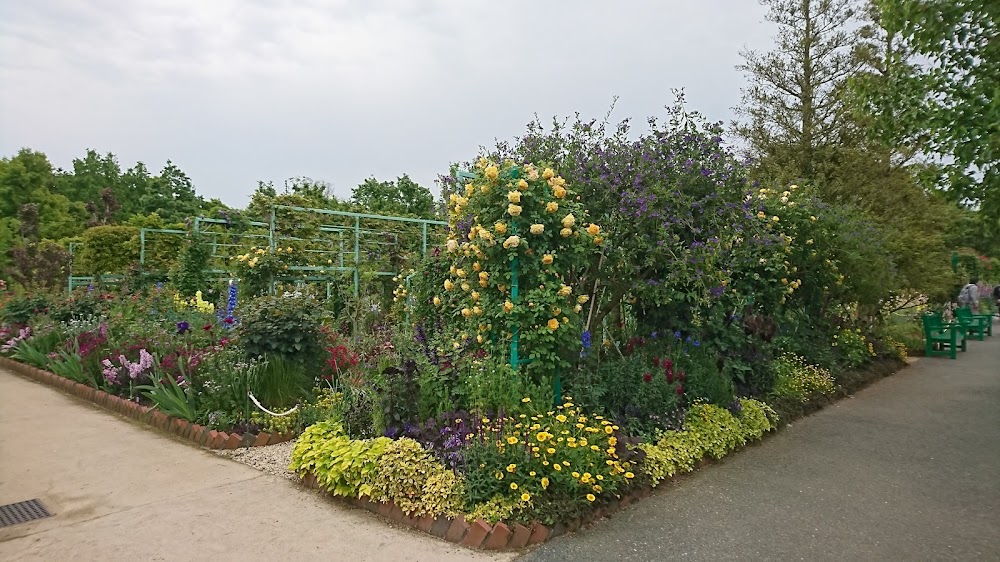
270, 236
357, 253
142, 247
514, 272
424, 225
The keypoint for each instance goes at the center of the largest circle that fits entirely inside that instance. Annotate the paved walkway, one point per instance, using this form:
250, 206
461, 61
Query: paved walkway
907, 469
120, 491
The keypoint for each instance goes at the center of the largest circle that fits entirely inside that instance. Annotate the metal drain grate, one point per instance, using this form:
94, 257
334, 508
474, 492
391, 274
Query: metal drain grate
22, 512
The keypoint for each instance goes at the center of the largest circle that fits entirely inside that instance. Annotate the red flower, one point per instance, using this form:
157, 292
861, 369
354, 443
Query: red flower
647, 377
206, 327
681, 376
656, 361
668, 364
680, 389
670, 377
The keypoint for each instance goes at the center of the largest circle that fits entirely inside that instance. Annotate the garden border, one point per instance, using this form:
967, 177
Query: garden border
195, 433
502, 536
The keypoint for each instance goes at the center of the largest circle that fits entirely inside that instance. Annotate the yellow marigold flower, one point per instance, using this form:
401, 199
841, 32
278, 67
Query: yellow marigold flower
608, 430
629, 475
562, 418
508, 306
512, 241
593, 230
568, 221
491, 172
550, 451
557, 467
542, 436
525, 497
511, 467
576, 474
514, 196
551, 207
553, 324
591, 497
545, 482
559, 192
448, 285
547, 259
514, 210
548, 173
437, 301
537, 228
566, 232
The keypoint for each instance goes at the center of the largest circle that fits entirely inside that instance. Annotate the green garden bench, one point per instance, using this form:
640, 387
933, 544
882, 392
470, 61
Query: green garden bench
976, 325
942, 338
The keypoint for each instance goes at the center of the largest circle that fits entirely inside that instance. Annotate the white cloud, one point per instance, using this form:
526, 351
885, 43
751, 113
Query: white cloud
234, 91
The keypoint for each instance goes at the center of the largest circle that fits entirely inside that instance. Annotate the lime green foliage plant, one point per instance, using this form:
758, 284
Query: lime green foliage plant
798, 380
709, 430
106, 249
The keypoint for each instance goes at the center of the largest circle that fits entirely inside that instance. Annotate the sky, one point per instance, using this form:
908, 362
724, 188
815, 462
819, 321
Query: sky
236, 91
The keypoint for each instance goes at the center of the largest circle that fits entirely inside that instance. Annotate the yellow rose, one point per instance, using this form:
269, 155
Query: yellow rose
469, 189
514, 196
477, 267
593, 230
598, 240
460, 273
512, 241
548, 173
551, 207
508, 306
514, 210
522, 185
483, 276
553, 324
466, 312
475, 295
568, 221
547, 259
537, 228
557, 181
500, 228
452, 245
577, 308
582, 299
491, 172
559, 192
566, 232
477, 311
465, 287
448, 285
564, 291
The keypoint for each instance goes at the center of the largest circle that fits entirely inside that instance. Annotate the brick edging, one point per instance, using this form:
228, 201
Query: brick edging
197, 434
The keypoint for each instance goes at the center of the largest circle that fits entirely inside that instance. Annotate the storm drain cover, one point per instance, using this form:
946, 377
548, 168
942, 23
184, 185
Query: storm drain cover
22, 512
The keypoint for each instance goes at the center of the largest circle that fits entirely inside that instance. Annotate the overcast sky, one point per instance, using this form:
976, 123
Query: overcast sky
235, 91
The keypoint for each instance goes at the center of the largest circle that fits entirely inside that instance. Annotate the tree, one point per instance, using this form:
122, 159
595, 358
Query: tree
950, 101
400, 197
793, 106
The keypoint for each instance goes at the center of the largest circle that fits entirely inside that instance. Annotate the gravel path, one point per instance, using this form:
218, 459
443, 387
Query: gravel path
272, 459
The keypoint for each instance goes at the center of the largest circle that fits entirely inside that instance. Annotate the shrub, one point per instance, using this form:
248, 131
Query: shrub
106, 249
20, 311
852, 348
410, 477
188, 275
288, 326
798, 380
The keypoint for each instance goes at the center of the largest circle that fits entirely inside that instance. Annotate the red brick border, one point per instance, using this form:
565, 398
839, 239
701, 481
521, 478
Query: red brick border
197, 434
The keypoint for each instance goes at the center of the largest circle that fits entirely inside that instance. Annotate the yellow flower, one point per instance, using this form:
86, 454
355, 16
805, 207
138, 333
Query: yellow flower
512, 467
562, 418
437, 301
566, 232
547, 259
500, 228
542, 436
598, 240
526, 400
557, 467
548, 173
466, 312
591, 497
775, 219
576, 474
514, 196
448, 285
577, 309
537, 228
629, 475
582, 299
608, 430
553, 324
550, 451
568, 221
288, 249
512, 241
483, 276
479, 338
452, 245
513, 485
525, 497
545, 482
508, 306
551, 207
559, 192
564, 291
491, 172
476, 267
593, 230
460, 272
513, 210
522, 185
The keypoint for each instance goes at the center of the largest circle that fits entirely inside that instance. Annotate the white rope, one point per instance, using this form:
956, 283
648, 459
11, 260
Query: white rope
254, 398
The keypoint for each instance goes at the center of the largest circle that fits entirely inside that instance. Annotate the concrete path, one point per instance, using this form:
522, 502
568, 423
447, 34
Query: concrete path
120, 491
907, 469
